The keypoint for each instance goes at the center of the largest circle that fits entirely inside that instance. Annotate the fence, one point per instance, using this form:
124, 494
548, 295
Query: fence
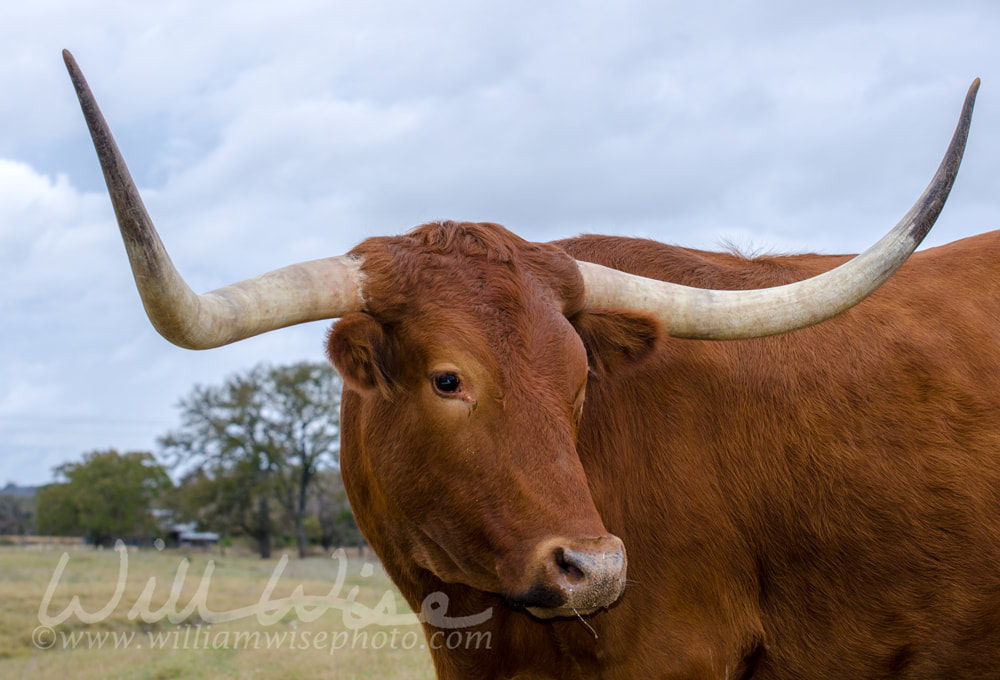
44, 542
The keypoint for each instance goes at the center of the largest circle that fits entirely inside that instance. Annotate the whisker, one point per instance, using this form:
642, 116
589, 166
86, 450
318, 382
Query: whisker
584, 622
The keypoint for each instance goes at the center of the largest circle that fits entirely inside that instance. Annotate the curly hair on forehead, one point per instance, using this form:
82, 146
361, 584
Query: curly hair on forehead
400, 264
483, 239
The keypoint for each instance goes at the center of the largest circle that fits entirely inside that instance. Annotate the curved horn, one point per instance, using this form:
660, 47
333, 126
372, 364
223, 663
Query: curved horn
729, 315
309, 291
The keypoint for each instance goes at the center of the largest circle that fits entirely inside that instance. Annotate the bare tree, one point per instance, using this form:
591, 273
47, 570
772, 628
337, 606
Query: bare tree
263, 436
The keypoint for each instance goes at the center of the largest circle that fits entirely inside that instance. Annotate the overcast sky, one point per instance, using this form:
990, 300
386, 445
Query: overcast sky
264, 133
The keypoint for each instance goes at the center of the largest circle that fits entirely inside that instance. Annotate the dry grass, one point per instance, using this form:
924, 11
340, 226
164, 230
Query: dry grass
122, 646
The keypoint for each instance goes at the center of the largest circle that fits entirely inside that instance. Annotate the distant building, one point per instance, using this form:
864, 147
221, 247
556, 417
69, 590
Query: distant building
186, 535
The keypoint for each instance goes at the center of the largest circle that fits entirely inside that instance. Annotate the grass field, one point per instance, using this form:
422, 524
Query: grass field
120, 625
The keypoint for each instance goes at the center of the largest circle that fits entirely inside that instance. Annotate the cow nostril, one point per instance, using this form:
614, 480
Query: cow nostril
573, 575
566, 566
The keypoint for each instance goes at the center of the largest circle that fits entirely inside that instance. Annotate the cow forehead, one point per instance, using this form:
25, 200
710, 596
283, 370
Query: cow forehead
479, 269
532, 342
448, 290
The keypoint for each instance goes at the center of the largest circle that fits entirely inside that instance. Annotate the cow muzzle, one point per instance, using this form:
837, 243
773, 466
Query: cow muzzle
574, 577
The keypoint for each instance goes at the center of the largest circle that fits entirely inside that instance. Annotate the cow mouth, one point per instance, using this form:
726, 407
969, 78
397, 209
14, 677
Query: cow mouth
562, 612
549, 603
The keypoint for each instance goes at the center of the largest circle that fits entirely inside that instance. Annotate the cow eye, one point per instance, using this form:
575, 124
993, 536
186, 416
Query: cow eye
447, 383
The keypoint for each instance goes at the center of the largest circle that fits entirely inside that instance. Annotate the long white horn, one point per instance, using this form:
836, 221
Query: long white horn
729, 315
309, 291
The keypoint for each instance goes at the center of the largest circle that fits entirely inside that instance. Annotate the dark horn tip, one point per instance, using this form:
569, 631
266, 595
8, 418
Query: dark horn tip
74, 69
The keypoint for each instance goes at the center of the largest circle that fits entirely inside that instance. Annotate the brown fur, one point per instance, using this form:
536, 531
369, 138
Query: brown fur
823, 504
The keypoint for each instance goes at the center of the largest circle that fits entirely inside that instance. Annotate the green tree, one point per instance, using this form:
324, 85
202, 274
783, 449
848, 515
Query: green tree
331, 519
17, 515
225, 500
57, 511
262, 436
106, 497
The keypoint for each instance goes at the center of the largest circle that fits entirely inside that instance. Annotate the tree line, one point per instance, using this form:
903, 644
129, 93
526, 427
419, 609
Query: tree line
255, 457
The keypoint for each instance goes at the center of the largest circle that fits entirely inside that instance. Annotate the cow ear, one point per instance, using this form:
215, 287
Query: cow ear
615, 338
359, 348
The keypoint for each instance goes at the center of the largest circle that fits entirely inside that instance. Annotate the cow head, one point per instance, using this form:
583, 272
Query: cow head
468, 384
465, 351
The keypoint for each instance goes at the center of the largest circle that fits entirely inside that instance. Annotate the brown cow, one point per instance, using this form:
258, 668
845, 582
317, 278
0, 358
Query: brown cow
819, 504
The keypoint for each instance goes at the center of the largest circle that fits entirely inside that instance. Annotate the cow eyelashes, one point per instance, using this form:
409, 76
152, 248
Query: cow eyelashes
447, 384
